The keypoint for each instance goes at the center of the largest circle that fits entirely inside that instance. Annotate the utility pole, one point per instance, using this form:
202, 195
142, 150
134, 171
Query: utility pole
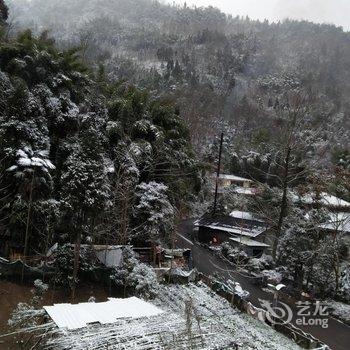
218, 174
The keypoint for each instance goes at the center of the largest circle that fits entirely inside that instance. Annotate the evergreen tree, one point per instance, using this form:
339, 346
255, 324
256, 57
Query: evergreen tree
3, 12
153, 212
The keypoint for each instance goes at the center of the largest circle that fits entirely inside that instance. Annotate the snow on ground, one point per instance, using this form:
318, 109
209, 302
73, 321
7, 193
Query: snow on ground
194, 317
339, 310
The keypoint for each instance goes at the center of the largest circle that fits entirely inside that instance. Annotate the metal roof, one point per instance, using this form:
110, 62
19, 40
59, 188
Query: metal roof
322, 198
245, 215
251, 232
248, 242
245, 226
75, 316
338, 222
233, 178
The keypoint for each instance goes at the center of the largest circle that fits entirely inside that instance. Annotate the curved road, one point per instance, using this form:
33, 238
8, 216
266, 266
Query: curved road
336, 336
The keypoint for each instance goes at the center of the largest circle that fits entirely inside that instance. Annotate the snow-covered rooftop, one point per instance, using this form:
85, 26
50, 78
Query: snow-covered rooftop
237, 230
329, 199
234, 178
244, 215
338, 222
75, 316
323, 198
248, 242
247, 191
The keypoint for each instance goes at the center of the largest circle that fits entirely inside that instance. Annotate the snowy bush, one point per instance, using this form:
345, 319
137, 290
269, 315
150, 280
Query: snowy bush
339, 310
27, 315
235, 255
64, 262
40, 287
272, 276
28, 312
153, 210
113, 129
259, 264
139, 278
17, 316
119, 274
344, 290
144, 280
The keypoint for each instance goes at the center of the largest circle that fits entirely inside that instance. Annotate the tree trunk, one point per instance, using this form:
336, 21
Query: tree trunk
299, 275
125, 217
336, 273
26, 240
154, 253
283, 206
76, 263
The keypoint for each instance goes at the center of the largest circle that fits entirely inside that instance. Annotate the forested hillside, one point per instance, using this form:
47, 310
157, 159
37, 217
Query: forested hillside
82, 159
114, 115
223, 72
67, 129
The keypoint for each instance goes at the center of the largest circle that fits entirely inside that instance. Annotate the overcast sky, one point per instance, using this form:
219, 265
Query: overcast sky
320, 11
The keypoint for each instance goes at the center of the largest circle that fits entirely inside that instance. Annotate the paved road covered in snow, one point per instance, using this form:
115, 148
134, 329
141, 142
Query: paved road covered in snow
337, 335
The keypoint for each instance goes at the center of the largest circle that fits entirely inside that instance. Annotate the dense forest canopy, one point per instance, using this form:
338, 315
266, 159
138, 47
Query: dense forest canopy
81, 158
222, 71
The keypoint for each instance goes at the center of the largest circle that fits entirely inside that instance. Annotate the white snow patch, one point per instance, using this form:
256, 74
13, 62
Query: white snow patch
323, 198
244, 215
24, 162
339, 310
75, 316
338, 222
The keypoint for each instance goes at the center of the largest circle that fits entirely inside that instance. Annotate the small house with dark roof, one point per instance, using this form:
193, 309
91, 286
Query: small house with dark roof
227, 180
338, 225
241, 229
250, 246
322, 200
238, 184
